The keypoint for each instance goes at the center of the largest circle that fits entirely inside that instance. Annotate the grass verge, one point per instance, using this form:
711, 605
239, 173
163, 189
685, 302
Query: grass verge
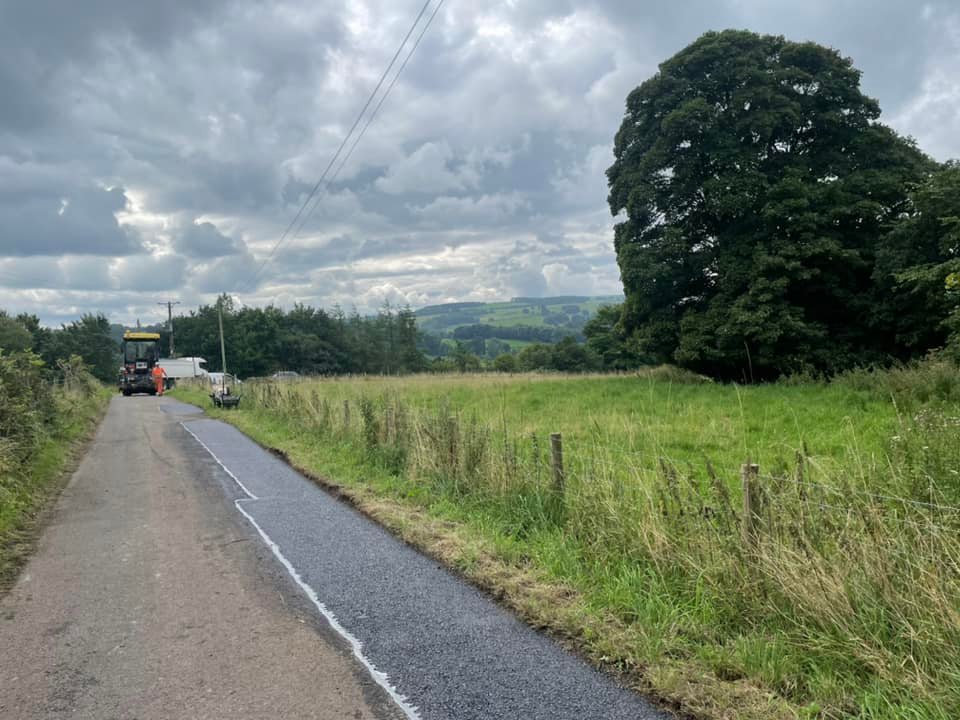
28, 497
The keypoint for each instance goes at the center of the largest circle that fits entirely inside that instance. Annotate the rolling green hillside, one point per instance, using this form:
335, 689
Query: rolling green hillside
564, 312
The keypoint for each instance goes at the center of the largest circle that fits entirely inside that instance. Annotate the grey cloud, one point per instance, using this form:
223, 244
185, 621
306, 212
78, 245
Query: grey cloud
523, 279
67, 220
35, 272
203, 240
144, 273
346, 248
39, 39
85, 273
425, 171
234, 273
472, 211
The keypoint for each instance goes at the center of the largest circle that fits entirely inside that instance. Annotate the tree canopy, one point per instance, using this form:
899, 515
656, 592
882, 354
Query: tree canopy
928, 240
260, 341
757, 193
87, 338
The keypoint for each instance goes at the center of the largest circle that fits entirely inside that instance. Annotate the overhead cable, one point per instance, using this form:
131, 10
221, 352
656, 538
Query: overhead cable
316, 188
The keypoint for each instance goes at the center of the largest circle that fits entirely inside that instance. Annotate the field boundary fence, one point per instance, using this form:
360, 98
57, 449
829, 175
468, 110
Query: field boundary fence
791, 506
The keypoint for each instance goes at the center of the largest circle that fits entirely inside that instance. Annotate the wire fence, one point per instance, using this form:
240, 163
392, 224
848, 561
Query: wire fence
458, 443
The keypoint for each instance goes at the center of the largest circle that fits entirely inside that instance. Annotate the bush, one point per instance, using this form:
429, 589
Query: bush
30, 412
934, 380
505, 363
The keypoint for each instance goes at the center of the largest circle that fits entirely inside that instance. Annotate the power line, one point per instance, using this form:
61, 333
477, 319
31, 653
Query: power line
336, 155
371, 117
386, 94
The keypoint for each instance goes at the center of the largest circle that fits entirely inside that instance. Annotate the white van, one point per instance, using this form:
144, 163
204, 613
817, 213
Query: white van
185, 367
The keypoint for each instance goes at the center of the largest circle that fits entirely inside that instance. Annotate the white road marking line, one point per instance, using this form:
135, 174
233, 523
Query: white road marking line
225, 468
378, 676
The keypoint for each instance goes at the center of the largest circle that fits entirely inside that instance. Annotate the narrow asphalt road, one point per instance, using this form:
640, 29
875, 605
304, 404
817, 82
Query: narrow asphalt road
149, 596
189, 573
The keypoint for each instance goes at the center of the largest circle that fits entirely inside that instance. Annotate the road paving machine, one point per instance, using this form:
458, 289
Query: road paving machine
141, 351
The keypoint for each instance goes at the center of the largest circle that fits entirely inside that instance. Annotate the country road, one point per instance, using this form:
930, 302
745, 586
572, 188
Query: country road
188, 573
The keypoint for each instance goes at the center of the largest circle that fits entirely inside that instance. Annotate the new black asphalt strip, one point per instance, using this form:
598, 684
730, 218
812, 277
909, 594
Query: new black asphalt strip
443, 649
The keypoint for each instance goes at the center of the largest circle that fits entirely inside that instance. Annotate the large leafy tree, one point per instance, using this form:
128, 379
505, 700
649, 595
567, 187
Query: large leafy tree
754, 183
924, 297
605, 339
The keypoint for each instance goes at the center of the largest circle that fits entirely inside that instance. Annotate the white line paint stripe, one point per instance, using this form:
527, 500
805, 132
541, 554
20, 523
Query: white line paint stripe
379, 677
225, 468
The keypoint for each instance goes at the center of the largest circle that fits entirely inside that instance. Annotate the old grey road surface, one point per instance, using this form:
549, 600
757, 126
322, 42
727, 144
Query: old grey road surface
190, 574
150, 597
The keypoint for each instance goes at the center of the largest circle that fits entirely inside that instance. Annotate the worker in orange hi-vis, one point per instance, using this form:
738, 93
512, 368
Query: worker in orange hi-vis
158, 375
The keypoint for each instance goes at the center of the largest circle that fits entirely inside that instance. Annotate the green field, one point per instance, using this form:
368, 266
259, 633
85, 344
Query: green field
835, 596
686, 423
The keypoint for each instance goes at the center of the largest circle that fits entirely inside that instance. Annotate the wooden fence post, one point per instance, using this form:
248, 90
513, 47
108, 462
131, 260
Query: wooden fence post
346, 414
749, 473
556, 462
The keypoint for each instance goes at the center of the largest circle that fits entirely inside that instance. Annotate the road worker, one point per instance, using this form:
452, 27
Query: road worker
158, 376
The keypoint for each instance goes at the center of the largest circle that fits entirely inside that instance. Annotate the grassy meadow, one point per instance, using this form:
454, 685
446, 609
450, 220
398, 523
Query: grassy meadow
836, 595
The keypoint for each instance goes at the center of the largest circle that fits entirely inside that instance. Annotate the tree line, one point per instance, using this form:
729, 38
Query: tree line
88, 338
518, 332
261, 341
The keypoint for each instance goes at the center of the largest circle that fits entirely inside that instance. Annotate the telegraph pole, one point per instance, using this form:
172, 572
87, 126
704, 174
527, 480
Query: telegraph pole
170, 304
223, 352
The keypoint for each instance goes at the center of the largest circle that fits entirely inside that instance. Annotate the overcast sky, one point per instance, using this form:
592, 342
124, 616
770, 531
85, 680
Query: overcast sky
158, 150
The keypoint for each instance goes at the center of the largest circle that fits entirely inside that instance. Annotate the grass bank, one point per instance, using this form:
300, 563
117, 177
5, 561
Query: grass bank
836, 595
28, 488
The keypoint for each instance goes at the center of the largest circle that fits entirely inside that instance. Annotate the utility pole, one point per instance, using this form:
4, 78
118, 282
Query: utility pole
223, 352
170, 304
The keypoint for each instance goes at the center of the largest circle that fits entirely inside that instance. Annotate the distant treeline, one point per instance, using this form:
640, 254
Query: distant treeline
87, 338
559, 299
517, 332
261, 341
447, 308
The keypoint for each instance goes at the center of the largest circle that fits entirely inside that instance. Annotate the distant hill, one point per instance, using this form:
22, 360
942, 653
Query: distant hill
565, 314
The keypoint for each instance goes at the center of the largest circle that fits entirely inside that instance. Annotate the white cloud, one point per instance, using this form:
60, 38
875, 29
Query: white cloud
427, 172
931, 115
468, 211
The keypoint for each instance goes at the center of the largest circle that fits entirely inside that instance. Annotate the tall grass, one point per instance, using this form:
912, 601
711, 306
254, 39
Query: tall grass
41, 413
839, 594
